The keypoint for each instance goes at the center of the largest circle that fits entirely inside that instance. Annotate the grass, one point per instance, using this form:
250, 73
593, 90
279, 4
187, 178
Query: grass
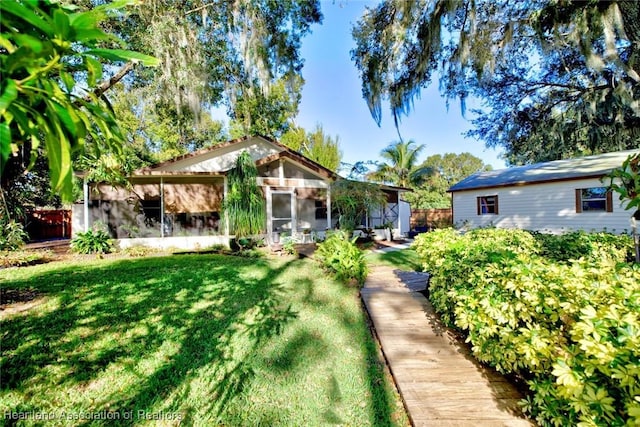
404, 259
203, 339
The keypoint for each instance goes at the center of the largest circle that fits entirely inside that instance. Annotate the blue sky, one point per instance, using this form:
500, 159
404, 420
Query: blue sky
332, 97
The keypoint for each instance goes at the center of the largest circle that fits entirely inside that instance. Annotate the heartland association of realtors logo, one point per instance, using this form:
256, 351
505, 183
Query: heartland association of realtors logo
92, 416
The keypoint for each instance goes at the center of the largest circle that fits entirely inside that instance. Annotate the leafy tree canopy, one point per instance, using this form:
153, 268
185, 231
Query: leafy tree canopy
47, 49
224, 51
555, 78
315, 145
445, 170
255, 112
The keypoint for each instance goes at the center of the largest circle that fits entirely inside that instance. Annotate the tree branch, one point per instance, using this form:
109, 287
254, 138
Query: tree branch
107, 84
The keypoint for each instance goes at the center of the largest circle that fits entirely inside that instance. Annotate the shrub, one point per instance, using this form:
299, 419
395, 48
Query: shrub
19, 258
139, 251
94, 241
12, 235
570, 328
289, 245
342, 257
579, 244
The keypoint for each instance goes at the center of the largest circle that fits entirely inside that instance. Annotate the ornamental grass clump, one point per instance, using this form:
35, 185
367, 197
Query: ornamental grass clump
568, 326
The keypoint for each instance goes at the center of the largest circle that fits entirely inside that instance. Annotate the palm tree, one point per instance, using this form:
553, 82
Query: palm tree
401, 165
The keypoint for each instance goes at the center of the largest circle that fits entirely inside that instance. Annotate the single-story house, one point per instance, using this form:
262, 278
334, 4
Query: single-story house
177, 203
554, 197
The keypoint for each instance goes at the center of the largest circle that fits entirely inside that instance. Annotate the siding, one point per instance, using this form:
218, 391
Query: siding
549, 207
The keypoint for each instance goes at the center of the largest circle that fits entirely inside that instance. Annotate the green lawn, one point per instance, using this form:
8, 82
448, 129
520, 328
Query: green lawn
209, 339
404, 259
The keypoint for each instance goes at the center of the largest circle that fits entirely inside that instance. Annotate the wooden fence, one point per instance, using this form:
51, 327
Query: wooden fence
49, 224
431, 218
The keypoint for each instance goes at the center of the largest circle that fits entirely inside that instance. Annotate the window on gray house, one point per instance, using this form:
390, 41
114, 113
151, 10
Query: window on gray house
487, 205
593, 199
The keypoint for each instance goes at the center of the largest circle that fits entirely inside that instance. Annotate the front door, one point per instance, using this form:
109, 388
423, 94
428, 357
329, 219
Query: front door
283, 212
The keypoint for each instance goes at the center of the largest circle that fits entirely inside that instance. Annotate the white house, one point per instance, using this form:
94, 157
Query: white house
554, 197
178, 203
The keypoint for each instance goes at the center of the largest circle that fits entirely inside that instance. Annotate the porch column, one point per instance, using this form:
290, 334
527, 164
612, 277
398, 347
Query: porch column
294, 213
225, 191
399, 214
329, 208
269, 211
85, 190
161, 207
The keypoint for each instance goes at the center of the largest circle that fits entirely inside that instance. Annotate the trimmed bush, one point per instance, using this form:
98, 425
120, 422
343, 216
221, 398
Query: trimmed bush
570, 328
580, 244
343, 258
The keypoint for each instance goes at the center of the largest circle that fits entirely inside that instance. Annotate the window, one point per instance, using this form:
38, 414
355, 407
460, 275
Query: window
594, 199
487, 205
321, 209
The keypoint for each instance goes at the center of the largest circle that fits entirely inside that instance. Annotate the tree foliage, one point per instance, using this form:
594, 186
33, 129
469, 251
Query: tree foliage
224, 51
353, 199
45, 47
625, 181
255, 112
446, 170
555, 78
400, 166
315, 145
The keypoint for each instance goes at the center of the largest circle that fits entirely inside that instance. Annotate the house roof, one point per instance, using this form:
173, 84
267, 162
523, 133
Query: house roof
595, 166
184, 164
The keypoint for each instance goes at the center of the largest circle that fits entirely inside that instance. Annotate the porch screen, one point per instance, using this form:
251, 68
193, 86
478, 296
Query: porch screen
192, 197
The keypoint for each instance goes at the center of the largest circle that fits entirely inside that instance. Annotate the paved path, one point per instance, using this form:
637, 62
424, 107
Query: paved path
440, 383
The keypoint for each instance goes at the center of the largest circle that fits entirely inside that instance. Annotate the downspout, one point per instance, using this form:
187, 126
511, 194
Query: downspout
85, 190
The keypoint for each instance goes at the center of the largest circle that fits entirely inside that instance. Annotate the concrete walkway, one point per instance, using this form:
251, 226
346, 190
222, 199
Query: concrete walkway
439, 381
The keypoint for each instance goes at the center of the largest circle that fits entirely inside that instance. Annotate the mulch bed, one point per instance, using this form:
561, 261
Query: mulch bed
12, 296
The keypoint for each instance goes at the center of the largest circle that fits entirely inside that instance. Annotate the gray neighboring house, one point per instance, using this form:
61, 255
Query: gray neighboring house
554, 197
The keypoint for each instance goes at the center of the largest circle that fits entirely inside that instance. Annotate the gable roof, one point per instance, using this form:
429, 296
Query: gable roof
595, 166
263, 150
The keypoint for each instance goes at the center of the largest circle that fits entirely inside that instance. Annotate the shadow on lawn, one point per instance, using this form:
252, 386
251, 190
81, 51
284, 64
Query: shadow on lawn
166, 325
126, 312
404, 259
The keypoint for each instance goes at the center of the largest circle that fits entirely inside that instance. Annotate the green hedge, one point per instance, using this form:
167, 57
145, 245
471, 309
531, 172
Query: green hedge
561, 312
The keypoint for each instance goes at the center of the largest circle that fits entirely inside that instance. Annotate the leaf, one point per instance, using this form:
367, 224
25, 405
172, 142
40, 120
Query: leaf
68, 80
61, 23
5, 143
124, 55
94, 69
26, 14
93, 34
31, 42
9, 95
